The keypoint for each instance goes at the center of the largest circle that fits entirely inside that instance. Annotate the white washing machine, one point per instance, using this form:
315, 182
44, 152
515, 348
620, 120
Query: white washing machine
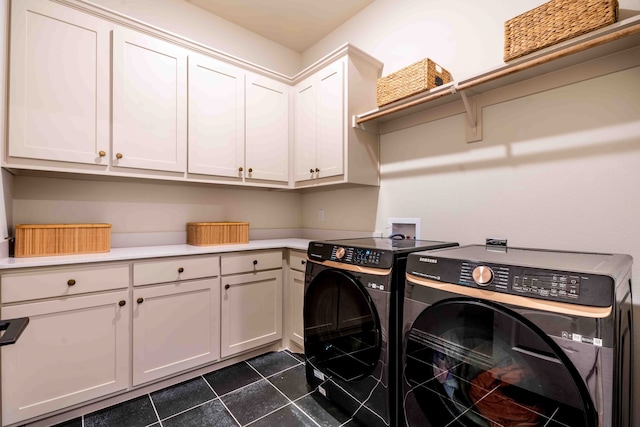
517, 337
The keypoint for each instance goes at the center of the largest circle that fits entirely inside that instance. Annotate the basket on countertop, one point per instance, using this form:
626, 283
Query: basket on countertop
217, 233
555, 22
411, 80
61, 239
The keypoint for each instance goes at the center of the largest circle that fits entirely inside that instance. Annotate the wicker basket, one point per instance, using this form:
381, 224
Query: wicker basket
61, 239
416, 78
217, 233
555, 22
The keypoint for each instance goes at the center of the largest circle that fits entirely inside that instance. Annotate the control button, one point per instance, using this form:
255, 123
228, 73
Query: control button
482, 275
340, 253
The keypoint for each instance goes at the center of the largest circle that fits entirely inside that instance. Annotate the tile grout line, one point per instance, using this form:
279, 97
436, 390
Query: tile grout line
351, 418
361, 404
291, 402
193, 407
188, 409
219, 397
221, 401
155, 410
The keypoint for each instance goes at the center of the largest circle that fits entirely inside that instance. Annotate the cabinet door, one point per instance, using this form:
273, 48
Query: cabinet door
216, 117
296, 299
267, 129
330, 120
149, 103
305, 130
251, 311
175, 327
73, 350
59, 84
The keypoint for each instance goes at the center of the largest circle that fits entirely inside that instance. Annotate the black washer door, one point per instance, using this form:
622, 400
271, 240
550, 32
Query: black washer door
341, 326
471, 363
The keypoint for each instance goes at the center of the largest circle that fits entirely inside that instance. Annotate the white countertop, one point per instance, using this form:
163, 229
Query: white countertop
142, 252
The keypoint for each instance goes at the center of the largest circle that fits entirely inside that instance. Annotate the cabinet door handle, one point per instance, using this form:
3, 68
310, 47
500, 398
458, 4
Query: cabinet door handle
250, 170
240, 169
102, 153
255, 262
140, 300
311, 170
180, 270
122, 303
119, 155
303, 262
227, 286
71, 282
317, 170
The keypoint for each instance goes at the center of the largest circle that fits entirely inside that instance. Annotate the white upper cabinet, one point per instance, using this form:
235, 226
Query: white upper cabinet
327, 150
149, 103
267, 129
331, 119
320, 124
216, 117
305, 129
59, 91
238, 123
93, 92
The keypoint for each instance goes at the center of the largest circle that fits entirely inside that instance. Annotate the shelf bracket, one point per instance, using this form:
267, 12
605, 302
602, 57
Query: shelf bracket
365, 126
474, 117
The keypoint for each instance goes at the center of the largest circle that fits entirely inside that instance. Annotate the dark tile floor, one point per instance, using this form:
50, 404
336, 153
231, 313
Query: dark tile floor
268, 390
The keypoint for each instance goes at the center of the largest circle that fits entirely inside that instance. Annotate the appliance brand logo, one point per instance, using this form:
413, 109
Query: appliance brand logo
429, 260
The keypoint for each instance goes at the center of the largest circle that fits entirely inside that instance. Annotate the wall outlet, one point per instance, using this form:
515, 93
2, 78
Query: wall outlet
408, 227
321, 215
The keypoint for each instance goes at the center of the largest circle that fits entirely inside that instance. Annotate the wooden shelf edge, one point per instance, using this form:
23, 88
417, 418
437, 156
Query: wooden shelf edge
618, 31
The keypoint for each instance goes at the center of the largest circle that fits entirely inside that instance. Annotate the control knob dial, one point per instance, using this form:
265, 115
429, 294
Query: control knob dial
482, 275
340, 253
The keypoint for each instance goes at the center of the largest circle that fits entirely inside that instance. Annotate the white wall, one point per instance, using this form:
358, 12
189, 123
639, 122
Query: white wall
558, 169
151, 207
186, 20
464, 36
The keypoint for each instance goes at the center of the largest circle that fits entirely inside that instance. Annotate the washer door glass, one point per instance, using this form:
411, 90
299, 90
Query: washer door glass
341, 326
469, 363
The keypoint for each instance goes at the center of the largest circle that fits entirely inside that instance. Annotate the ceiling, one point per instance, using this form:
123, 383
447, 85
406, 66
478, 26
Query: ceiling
296, 24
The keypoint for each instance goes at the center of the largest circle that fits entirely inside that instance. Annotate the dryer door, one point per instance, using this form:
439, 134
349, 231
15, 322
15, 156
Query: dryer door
472, 363
342, 334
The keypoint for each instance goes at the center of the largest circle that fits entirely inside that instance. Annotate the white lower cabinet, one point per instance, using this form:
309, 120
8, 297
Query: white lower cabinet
251, 304
295, 291
175, 327
107, 328
74, 349
176, 318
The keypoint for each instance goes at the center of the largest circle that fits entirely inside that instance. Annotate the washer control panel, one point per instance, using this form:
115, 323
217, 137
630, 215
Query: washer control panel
555, 285
358, 256
366, 257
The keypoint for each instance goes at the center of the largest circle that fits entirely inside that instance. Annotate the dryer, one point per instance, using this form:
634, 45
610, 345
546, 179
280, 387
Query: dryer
352, 320
517, 337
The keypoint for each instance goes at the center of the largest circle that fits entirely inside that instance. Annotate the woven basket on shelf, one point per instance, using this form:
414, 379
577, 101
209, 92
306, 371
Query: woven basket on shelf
416, 78
555, 22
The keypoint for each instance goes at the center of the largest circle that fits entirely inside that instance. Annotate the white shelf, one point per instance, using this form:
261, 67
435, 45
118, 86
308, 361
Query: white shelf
615, 38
